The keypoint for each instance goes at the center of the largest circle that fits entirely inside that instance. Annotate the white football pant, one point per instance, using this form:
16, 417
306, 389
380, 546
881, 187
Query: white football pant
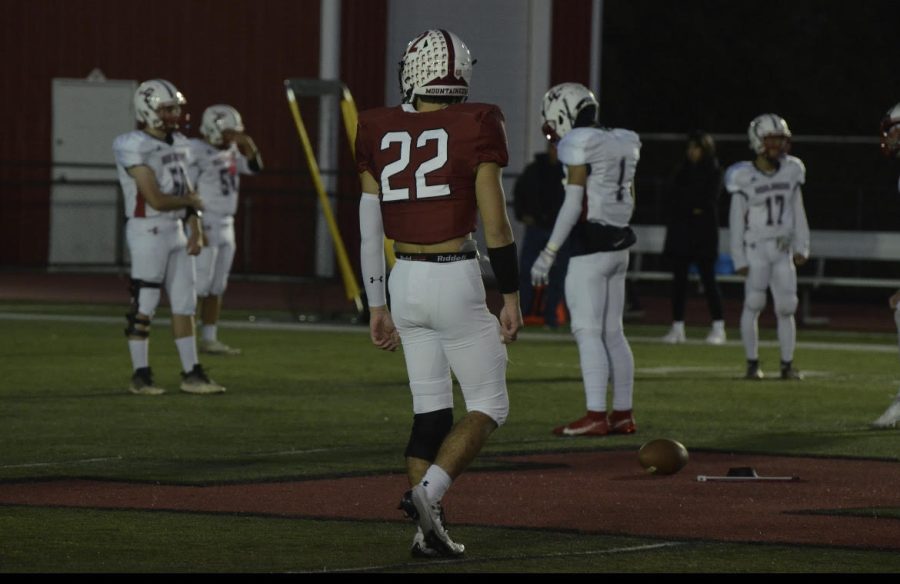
595, 293
770, 268
214, 261
444, 324
158, 248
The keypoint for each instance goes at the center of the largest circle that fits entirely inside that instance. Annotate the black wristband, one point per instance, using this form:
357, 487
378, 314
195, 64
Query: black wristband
505, 263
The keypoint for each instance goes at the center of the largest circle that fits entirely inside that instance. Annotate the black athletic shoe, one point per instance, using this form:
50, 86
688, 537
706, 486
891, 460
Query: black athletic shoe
196, 381
753, 371
142, 383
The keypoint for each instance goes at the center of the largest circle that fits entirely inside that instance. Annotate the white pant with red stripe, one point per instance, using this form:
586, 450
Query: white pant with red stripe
158, 247
214, 261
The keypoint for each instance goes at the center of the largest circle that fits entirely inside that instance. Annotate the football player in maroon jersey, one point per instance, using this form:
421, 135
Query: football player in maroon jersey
427, 168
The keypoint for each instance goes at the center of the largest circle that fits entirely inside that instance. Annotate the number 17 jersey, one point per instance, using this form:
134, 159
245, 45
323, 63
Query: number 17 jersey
769, 203
425, 162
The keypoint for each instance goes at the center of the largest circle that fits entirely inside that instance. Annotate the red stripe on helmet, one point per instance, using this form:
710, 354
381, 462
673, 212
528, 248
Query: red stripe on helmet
451, 53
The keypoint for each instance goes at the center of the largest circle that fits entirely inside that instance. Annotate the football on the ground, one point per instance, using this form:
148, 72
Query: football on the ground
663, 456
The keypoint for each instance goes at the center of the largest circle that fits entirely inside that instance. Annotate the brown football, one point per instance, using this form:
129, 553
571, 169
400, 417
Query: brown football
663, 456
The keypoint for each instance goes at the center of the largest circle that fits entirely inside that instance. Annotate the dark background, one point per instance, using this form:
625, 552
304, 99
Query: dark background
828, 67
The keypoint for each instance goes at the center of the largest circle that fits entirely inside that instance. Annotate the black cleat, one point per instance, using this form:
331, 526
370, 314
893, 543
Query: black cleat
142, 383
753, 371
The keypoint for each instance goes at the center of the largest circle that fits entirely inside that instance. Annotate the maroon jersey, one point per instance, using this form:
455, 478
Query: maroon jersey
425, 165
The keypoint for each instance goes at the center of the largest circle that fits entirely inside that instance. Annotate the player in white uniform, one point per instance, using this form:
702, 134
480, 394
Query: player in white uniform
216, 164
890, 146
600, 167
769, 236
151, 164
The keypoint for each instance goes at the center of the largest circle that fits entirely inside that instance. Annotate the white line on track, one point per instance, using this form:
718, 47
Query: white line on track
481, 560
62, 462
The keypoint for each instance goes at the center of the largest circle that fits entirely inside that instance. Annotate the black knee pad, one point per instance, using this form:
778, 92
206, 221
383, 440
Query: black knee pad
132, 317
428, 433
133, 331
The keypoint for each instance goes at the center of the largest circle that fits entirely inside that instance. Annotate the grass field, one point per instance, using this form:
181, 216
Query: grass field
307, 402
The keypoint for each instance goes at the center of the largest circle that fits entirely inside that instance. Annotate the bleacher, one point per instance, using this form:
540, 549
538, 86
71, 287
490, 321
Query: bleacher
826, 247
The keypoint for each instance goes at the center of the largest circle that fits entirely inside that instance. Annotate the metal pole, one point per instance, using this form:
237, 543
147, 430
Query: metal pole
329, 68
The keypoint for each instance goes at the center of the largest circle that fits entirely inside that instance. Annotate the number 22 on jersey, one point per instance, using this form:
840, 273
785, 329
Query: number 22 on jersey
422, 190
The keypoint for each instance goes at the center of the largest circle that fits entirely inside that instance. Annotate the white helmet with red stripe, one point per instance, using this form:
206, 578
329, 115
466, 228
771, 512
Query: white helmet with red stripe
152, 95
562, 106
217, 119
435, 64
890, 132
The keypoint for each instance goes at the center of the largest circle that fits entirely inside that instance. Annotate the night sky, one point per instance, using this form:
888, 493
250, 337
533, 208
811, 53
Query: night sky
828, 67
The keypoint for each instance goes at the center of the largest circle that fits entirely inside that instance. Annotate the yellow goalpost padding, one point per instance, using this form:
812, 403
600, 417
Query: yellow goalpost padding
349, 114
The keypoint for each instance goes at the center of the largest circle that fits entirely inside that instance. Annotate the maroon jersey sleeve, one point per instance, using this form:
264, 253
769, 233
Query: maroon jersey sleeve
363, 144
492, 139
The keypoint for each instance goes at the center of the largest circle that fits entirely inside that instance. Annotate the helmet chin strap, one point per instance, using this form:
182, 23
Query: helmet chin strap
773, 163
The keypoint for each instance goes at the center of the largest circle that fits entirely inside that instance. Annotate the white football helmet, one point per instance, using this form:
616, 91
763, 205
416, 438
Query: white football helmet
890, 132
218, 118
767, 125
562, 104
436, 63
150, 96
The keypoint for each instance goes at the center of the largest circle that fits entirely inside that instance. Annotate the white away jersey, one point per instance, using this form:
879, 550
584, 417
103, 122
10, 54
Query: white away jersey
767, 206
216, 175
613, 156
167, 161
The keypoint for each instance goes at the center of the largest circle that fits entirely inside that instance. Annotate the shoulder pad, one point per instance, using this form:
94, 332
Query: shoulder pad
737, 176
572, 149
131, 149
179, 140
476, 109
797, 164
375, 113
626, 135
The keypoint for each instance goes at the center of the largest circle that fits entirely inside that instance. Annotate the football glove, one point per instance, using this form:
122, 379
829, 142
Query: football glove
540, 271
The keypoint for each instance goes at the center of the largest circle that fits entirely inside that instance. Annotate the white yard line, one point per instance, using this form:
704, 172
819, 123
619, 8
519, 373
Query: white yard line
62, 462
358, 329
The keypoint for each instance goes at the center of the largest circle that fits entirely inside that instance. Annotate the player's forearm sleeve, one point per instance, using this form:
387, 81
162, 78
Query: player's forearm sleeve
567, 218
800, 243
371, 253
736, 231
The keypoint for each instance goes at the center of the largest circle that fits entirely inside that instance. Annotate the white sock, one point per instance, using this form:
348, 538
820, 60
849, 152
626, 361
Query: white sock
209, 332
187, 351
718, 325
787, 336
594, 367
140, 351
897, 321
750, 334
678, 325
436, 482
621, 364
